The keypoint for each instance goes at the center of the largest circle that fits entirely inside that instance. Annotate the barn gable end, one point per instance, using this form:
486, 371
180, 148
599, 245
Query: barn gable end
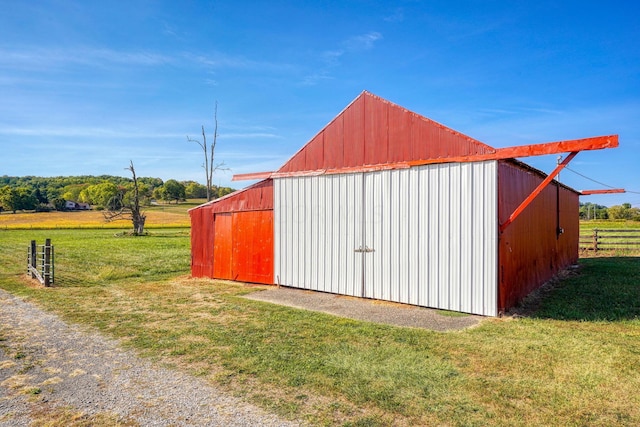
373, 131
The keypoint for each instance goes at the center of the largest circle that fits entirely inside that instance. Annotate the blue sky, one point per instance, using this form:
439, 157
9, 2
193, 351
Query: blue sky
87, 86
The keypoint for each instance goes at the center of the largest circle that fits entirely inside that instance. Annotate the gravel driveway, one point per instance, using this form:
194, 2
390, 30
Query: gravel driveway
47, 366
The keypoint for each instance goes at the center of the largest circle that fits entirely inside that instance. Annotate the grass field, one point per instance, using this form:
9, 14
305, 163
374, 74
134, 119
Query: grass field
573, 362
588, 225
158, 216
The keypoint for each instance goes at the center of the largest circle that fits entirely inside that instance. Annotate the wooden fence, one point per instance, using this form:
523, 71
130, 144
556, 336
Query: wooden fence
40, 262
611, 239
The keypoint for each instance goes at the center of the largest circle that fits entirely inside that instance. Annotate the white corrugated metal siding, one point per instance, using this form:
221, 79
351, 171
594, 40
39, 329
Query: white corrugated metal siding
425, 236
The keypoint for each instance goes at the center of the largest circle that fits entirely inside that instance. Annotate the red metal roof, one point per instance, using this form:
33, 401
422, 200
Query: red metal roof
258, 196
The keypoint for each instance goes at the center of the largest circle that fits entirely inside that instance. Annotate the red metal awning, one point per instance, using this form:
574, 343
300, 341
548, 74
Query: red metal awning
576, 145
607, 191
594, 143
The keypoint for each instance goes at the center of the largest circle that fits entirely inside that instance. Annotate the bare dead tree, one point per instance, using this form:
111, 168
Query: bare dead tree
119, 209
209, 154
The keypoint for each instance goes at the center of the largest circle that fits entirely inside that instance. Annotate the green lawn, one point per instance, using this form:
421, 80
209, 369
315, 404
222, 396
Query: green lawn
575, 361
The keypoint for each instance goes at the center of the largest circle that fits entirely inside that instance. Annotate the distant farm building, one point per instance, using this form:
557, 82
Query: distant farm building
76, 206
386, 204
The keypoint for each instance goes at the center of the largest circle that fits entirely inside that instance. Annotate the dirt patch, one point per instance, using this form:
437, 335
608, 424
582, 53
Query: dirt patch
368, 310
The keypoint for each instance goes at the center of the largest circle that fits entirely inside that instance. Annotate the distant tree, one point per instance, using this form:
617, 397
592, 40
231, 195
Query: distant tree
40, 197
151, 182
172, 190
209, 154
72, 191
130, 208
27, 200
223, 191
620, 211
8, 198
104, 192
593, 211
100, 195
17, 199
195, 190
59, 204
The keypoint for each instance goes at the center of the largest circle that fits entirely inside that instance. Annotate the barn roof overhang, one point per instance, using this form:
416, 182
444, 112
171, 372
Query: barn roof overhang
576, 145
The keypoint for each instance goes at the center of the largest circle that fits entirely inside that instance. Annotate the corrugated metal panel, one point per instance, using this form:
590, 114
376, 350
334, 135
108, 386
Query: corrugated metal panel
334, 144
202, 234
399, 135
253, 246
372, 131
317, 224
354, 132
525, 262
243, 246
223, 246
429, 235
315, 153
376, 132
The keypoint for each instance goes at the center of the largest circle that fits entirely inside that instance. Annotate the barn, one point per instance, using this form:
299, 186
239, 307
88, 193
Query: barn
386, 204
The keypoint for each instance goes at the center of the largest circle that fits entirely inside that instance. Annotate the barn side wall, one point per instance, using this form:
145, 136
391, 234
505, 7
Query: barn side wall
530, 251
232, 238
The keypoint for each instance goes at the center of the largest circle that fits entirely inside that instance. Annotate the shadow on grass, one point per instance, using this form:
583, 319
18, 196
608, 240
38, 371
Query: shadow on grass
604, 289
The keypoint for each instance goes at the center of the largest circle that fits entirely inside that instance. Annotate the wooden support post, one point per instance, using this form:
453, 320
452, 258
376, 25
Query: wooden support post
46, 263
32, 259
595, 240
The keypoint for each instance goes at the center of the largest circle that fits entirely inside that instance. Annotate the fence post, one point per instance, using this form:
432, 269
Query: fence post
46, 263
595, 240
32, 259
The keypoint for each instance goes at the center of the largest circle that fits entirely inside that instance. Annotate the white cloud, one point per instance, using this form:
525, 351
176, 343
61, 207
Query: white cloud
313, 79
362, 41
85, 132
396, 16
247, 135
29, 57
331, 58
38, 58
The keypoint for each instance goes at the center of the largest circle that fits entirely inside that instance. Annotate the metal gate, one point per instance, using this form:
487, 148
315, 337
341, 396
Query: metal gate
424, 236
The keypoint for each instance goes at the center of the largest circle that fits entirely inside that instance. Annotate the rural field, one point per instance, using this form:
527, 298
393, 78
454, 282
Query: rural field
572, 359
159, 216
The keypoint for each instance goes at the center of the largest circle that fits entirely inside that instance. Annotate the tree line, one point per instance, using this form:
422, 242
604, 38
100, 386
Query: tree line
28, 193
594, 211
